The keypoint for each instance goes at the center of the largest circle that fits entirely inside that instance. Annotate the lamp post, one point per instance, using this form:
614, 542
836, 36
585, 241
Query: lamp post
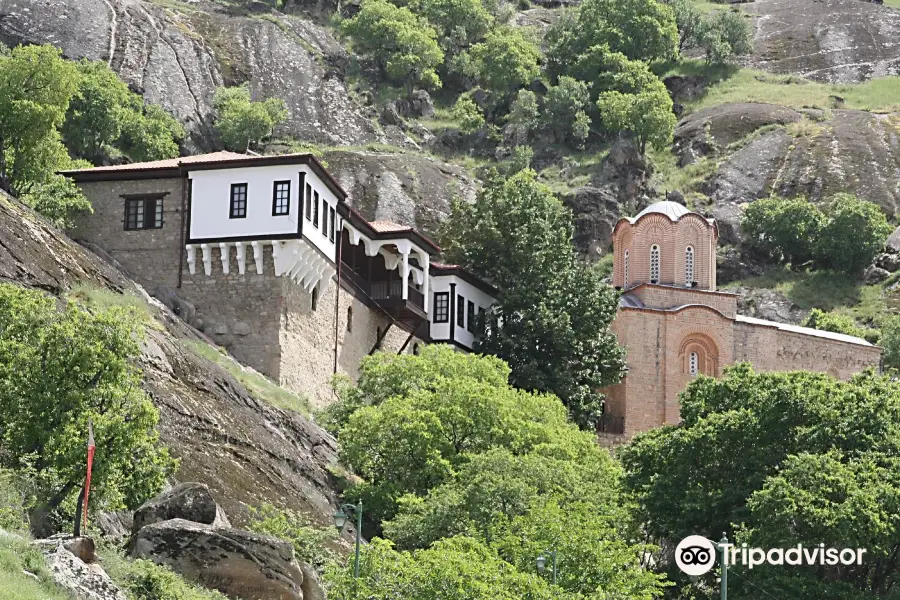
340, 519
542, 563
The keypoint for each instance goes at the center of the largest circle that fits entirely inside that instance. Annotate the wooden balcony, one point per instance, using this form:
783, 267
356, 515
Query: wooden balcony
389, 296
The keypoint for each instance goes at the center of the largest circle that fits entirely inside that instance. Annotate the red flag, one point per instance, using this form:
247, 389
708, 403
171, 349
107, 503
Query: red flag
90, 462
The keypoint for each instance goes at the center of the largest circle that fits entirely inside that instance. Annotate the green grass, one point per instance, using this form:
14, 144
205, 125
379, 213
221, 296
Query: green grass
256, 383
103, 299
667, 175
749, 85
824, 290
144, 580
16, 556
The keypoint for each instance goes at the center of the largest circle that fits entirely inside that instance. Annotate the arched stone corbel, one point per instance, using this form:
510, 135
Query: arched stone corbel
355, 235
372, 247
404, 247
241, 254
192, 258
258, 256
207, 259
224, 254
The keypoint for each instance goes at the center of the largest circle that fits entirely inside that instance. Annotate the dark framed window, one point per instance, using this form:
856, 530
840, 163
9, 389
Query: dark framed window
316, 210
460, 311
324, 217
143, 213
281, 198
441, 307
331, 219
470, 318
308, 202
238, 201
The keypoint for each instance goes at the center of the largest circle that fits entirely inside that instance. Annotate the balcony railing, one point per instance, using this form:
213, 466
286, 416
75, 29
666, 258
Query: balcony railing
611, 424
387, 292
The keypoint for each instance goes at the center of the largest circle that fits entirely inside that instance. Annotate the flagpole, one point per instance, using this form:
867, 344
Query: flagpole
92, 447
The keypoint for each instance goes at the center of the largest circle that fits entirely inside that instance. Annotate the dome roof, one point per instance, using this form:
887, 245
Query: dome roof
673, 210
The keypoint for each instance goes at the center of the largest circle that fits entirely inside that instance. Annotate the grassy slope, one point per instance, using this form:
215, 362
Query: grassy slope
16, 557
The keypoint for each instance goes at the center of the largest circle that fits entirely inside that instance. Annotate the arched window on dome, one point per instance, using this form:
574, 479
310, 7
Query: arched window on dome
693, 364
689, 266
625, 271
654, 264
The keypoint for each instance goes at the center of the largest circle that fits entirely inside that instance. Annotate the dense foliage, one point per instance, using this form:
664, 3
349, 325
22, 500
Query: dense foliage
242, 122
471, 480
73, 366
846, 238
311, 543
551, 320
778, 459
835, 322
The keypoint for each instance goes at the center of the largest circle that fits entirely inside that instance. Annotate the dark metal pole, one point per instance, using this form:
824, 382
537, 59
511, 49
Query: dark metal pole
553, 554
724, 587
359, 511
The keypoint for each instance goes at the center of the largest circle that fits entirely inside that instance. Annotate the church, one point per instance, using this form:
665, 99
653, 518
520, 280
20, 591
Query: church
675, 324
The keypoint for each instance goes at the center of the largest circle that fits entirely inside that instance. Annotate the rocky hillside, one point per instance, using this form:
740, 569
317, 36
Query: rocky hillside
246, 450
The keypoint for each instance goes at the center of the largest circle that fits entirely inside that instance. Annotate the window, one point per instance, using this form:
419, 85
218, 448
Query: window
324, 217
654, 264
693, 364
625, 271
281, 198
349, 318
460, 311
331, 218
308, 202
441, 307
470, 322
688, 266
314, 298
238, 201
143, 213
316, 210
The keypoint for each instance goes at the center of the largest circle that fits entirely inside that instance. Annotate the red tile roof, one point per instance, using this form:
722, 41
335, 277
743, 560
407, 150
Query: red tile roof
389, 227
169, 163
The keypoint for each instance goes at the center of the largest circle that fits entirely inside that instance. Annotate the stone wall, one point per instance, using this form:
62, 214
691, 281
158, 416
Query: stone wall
150, 256
662, 296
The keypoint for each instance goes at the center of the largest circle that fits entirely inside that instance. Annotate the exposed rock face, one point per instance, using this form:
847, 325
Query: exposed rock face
178, 58
84, 581
247, 451
408, 189
769, 305
190, 501
596, 213
826, 40
893, 241
238, 563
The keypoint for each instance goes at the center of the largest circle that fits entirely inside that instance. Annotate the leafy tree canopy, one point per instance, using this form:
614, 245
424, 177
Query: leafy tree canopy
36, 86
564, 109
58, 369
778, 459
551, 321
506, 60
647, 114
402, 44
58, 199
242, 122
724, 34
640, 29
853, 234
459, 23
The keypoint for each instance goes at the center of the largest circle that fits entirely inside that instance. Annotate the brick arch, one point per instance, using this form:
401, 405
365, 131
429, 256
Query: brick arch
707, 350
623, 240
692, 232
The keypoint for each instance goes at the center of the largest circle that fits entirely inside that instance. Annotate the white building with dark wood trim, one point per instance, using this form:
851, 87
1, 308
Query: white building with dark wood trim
254, 244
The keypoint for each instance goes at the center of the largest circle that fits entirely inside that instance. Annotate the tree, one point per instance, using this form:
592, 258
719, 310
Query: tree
36, 86
640, 29
725, 34
154, 134
551, 321
564, 106
505, 61
890, 341
785, 230
243, 122
409, 442
58, 199
404, 46
779, 459
646, 115
834, 322
97, 111
604, 70
853, 234
689, 21
467, 113
459, 23
523, 117
58, 370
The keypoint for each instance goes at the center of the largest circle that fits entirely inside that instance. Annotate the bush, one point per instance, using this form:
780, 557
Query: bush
467, 113
564, 106
785, 230
725, 34
646, 115
523, 117
890, 341
145, 580
402, 44
505, 61
834, 322
853, 234
58, 199
310, 542
242, 122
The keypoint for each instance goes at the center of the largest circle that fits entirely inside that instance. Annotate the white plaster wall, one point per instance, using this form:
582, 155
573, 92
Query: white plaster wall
441, 331
211, 201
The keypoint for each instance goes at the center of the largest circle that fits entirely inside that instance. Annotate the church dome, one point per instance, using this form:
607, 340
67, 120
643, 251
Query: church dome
673, 210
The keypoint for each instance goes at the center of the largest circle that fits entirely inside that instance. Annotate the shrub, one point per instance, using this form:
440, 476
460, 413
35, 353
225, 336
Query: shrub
725, 34
785, 230
853, 234
468, 114
241, 121
145, 580
58, 199
504, 61
523, 117
834, 322
890, 341
310, 542
647, 115
563, 106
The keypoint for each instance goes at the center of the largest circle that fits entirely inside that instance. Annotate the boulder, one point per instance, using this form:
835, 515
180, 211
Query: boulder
311, 586
596, 212
769, 305
115, 525
893, 241
420, 104
84, 581
240, 564
188, 501
888, 262
181, 307
875, 274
